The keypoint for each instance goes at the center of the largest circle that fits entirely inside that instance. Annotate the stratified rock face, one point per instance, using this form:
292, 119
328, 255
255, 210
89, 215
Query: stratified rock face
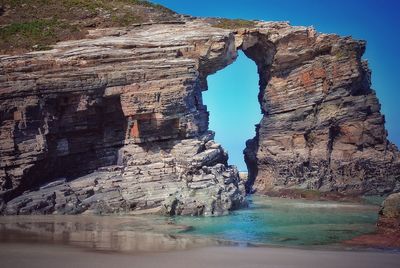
125, 107
321, 127
182, 177
129, 99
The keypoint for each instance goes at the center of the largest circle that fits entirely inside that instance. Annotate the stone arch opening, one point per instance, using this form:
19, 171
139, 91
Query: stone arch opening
231, 100
257, 49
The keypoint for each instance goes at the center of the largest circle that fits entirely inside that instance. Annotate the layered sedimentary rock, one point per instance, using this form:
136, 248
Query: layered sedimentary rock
322, 127
126, 99
182, 177
125, 107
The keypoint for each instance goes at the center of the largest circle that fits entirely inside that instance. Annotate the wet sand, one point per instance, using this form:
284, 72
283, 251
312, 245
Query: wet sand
103, 233
17, 255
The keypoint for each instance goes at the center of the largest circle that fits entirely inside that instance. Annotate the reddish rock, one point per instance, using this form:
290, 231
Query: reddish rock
131, 98
321, 128
388, 226
125, 108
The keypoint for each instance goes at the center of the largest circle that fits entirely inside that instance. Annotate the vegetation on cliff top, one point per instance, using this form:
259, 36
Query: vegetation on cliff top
234, 23
37, 24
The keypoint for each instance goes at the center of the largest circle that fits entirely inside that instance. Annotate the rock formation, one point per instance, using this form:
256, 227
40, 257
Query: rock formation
321, 127
124, 106
389, 215
116, 122
387, 234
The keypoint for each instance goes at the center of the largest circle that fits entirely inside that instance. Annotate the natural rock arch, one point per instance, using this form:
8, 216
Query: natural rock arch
321, 127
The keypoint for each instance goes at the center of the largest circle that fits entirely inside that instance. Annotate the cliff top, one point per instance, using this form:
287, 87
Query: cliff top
40, 23
37, 25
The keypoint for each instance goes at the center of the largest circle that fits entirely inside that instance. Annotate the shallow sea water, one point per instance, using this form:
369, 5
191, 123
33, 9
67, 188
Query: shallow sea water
287, 222
267, 221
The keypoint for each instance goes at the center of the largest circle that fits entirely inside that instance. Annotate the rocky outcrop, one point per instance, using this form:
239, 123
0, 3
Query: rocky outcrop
125, 107
389, 215
187, 180
387, 234
321, 128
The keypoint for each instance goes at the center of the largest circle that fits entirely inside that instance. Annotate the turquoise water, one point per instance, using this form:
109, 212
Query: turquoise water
287, 222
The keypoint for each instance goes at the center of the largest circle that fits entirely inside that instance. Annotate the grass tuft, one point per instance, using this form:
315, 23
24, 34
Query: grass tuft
234, 23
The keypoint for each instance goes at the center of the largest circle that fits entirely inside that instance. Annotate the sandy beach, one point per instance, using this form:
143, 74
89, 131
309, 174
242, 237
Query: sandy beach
17, 255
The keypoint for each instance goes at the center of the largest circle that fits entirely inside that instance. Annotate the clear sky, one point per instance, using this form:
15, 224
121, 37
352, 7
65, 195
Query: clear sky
233, 104
376, 21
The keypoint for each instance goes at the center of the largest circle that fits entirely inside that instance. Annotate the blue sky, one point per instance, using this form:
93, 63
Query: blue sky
377, 22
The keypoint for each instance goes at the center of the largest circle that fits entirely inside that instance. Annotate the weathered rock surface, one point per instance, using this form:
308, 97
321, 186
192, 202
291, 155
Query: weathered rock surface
125, 107
389, 216
387, 234
129, 97
188, 180
322, 127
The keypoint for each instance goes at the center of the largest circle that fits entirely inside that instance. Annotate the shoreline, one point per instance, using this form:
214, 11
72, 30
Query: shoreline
149, 233
24, 255
183, 242
316, 195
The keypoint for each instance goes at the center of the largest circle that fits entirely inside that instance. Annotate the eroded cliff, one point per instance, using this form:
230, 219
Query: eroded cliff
116, 123
322, 127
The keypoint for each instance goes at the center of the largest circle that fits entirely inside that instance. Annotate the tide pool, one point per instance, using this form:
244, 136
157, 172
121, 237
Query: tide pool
287, 222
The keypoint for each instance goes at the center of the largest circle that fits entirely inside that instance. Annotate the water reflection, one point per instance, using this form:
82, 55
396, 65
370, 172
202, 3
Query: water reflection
267, 221
113, 233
